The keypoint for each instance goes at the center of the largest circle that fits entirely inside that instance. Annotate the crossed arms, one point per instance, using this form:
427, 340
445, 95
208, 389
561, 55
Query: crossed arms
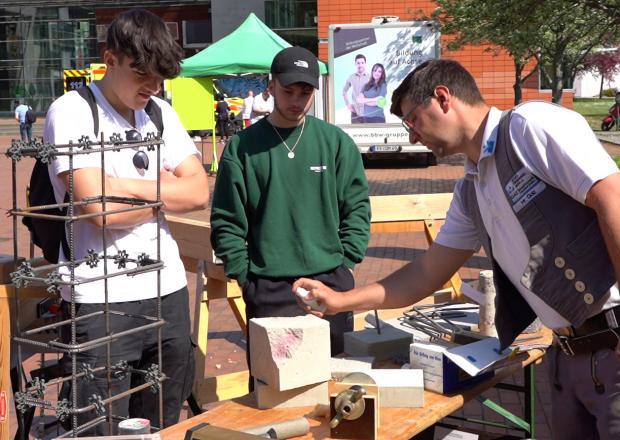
184, 189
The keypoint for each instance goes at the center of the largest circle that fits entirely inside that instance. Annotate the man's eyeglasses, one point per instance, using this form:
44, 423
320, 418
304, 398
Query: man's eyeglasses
140, 159
406, 123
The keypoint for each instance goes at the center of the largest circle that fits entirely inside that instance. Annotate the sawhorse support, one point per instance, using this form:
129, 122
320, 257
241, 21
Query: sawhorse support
192, 237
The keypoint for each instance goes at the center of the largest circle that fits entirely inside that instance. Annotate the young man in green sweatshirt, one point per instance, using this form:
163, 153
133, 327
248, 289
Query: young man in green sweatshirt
291, 200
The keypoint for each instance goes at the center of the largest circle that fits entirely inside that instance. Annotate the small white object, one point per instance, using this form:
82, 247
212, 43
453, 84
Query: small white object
134, 426
312, 303
291, 155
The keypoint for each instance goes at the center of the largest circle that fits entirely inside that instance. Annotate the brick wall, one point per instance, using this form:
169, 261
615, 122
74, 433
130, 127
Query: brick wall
494, 71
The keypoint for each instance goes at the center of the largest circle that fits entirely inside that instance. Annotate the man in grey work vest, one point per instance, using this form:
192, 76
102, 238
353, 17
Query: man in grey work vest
543, 198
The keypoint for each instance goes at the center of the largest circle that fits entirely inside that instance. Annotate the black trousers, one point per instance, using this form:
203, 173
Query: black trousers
140, 351
272, 297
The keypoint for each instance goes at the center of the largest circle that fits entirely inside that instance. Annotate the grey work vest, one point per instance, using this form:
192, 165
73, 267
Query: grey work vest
569, 266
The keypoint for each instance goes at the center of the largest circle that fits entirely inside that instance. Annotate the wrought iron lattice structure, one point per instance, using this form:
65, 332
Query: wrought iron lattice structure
62, 275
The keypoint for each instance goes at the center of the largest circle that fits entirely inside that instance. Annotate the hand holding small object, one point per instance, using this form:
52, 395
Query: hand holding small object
312, 303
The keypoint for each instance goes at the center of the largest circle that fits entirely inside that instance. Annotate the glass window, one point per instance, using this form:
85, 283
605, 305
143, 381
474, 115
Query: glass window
197, 33
36, 45
295, 21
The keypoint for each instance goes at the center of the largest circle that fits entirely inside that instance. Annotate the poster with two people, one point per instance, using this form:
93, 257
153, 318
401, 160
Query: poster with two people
367, 62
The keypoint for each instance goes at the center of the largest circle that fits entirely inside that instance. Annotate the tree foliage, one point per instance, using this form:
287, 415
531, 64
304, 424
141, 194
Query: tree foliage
558, 34
606, 64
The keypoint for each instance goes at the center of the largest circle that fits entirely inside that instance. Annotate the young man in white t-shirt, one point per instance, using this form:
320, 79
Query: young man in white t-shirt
140, 54
519, 168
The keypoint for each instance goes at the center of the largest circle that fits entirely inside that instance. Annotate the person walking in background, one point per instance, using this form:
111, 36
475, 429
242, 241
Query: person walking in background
25, 126
540, 194
261, 106
373, 95
247, 109
355, 82
291, 200
222, 118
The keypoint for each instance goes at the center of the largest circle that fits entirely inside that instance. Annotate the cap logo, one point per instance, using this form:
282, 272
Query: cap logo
301, 63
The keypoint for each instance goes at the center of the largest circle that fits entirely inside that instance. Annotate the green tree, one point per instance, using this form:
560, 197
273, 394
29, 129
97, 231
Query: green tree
570, 32
488, 22
558, 34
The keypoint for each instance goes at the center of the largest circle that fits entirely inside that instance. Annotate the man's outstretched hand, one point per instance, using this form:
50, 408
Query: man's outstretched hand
316, 298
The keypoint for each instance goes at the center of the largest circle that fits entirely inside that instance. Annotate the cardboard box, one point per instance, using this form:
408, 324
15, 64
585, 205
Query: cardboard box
448, 367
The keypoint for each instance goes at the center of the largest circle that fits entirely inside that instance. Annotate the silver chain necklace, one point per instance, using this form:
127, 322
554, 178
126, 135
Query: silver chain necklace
291, 151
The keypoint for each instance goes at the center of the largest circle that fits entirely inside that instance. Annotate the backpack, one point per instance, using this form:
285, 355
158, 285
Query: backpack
49, 234
31, 116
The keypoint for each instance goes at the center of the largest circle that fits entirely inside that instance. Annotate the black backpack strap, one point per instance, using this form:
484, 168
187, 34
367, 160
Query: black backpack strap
154, 112
87, 94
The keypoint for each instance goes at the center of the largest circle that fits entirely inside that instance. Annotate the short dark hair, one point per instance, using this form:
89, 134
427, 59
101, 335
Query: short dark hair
358, 56
420, 84
144, 37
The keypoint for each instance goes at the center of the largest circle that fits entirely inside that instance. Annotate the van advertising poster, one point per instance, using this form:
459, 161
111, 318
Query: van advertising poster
367, 62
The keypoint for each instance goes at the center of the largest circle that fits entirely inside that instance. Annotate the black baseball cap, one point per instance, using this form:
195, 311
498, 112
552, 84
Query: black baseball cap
296, 64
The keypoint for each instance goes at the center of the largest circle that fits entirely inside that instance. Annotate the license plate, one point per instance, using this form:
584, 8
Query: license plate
385, 148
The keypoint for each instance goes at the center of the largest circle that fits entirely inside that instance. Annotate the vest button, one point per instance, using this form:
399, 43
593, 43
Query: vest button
588, 298
559, 262
569, 274
580, 286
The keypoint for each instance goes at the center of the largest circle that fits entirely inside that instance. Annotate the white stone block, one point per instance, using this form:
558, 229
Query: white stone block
291, 352
340, 367
399, 388
308, 395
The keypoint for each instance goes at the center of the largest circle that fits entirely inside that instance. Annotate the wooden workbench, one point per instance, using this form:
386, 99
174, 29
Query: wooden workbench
401, 213
394, 424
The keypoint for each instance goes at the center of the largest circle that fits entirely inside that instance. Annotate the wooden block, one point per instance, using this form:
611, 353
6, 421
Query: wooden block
291, 352
309, 395
363, 428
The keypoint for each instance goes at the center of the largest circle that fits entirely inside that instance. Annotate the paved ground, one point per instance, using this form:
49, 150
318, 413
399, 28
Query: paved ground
386, 253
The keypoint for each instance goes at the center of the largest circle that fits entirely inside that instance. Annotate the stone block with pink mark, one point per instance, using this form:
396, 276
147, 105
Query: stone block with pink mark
288, 353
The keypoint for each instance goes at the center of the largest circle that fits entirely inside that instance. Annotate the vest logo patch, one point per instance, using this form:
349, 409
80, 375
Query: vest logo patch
318, 168
489, 147
522, 188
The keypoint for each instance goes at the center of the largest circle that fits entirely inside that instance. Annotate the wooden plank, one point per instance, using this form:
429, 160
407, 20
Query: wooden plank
454, 282
5, 366
223, 387
192, 237
395, 423
404, 208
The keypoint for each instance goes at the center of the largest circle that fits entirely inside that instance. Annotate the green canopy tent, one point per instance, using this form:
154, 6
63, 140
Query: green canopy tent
248, 49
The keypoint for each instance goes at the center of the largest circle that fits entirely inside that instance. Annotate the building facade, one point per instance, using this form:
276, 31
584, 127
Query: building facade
39, 39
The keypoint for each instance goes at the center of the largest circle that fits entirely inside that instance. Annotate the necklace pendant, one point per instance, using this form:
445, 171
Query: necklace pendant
291, 155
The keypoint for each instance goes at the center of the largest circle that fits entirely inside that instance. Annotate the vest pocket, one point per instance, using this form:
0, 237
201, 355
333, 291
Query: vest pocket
590, 240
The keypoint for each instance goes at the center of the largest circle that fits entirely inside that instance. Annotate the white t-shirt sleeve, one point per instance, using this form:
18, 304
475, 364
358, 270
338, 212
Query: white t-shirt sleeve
561, 148
458, 231
179, 146
67, 120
